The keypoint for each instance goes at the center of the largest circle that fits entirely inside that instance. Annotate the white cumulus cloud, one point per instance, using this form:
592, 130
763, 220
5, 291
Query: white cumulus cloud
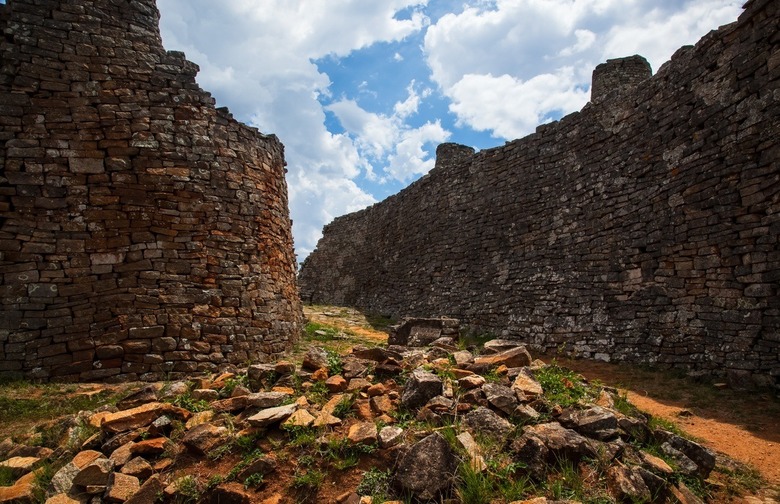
509, 64
257, 58
388, 139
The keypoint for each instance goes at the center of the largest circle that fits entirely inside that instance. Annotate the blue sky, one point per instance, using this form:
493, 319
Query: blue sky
362, 91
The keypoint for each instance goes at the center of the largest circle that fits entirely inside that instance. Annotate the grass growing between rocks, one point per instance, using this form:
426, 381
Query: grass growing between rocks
23, 402
563, 386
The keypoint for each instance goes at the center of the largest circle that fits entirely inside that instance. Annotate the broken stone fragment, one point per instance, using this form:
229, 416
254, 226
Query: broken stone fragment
257, 400
438, 357
353, 368
149, 491
261, 375
655, 464
358, 384
336, 383
500, 345
161, 426
152, 446
95, 473
525, 413
284, 367
515, 357
685, 465
264, 466
420, 388
272, 416
530, 450
462, 357
681, 494
471, 382
231, 493
315, 358
472, 449
382, 404
376, 354
63, 479
21, 492
635, 428
376, 390
146, 395
427, 468
562, 443
138, 467
61, 499
141, 416
440, 405
199, 418
301, 418
173, 390
19, 465
121, 487
475, 397
330, 406
627, 485
527, 385
207, 395
483, 421
363, 433
320, 375
390, 436
325, 419
122, 455
362, 409
204, 438
594, 422
701, 456
502, 398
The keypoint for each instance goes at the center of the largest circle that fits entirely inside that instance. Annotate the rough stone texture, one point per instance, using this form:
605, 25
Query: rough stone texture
485, 422
421, 387
422, 331
272, 416
627, 485
427, 469
144, 233
363, 432
643, 228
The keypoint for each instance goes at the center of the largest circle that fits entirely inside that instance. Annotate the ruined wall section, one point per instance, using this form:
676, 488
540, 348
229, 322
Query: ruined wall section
143, 232
643, 228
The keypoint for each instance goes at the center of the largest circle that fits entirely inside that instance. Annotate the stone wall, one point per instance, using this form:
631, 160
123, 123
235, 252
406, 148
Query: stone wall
643, 228
144, 233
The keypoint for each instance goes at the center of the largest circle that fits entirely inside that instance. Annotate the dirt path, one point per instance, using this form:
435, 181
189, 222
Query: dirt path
743, 425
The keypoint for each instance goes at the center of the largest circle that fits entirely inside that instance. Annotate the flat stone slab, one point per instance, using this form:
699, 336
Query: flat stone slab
271, 416
141, 416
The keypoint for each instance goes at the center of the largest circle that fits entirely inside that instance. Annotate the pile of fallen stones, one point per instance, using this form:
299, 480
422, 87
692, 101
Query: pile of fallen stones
132, 455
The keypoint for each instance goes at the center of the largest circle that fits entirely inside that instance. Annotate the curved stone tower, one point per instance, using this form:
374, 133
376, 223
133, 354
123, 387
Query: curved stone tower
144, 233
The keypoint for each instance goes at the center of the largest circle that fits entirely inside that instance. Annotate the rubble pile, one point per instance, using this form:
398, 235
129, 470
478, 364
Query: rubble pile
420, 415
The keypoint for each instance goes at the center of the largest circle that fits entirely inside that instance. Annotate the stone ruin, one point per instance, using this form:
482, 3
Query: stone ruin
644, 228
144, 233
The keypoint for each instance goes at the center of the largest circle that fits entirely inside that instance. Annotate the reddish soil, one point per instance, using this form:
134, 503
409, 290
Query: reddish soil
743, 425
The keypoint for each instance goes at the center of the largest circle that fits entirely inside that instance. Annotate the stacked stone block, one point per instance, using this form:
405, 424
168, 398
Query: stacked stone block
643, 228
144, 233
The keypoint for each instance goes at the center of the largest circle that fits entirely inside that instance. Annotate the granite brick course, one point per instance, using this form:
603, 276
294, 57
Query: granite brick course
144, 233
643, 228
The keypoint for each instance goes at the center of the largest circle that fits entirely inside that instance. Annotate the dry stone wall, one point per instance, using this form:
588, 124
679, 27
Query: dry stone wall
144, 233
643, 228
